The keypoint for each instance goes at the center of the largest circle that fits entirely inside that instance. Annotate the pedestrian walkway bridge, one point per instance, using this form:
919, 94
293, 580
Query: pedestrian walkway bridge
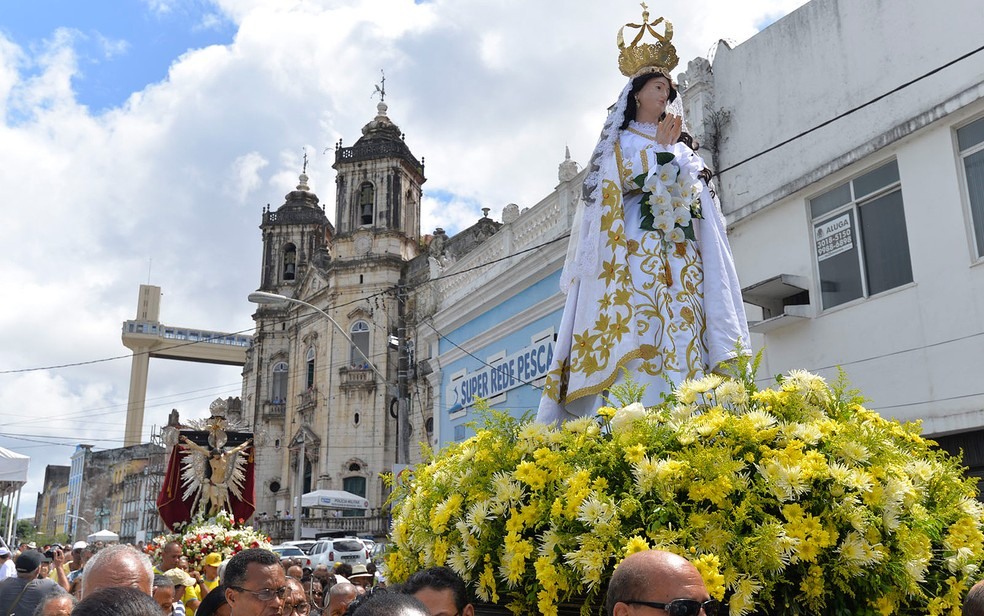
187, 344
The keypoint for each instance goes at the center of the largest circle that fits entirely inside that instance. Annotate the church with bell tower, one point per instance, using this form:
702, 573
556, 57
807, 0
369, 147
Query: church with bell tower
326, 392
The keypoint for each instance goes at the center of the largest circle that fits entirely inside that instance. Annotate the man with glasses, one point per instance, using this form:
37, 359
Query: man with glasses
441, 590
296, 602
255, 584
655, 583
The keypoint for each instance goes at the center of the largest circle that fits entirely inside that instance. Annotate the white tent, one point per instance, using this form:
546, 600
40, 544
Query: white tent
333, 499
13, 476
106, 536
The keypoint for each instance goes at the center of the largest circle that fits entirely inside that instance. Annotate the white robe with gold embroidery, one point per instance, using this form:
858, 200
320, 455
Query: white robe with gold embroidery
662, 312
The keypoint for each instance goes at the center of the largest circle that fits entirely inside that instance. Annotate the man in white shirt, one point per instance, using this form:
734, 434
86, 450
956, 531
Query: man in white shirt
7, 568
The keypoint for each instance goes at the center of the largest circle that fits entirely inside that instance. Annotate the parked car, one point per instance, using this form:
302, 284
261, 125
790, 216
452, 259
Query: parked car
346, 550
377, 552
292, 552
304, 544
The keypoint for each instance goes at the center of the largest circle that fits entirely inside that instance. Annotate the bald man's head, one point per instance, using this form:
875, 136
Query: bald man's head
118, 566
655, 577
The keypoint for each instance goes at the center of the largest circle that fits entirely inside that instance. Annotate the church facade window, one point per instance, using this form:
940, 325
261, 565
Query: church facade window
367, 203
290, 262
354, 485
360, 342
309, 382
278, 390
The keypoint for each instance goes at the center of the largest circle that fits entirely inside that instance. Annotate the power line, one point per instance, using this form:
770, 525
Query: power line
470, 354
105, 359
850, 111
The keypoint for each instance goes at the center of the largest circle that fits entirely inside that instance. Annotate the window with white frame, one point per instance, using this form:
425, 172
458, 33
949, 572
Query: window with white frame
860, 239
970, 141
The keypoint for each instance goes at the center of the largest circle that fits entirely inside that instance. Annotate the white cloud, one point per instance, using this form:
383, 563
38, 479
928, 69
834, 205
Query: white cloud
489, 92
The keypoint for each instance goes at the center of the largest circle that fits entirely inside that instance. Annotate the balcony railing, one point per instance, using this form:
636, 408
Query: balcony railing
357, 376
282, 529
273, 410
307, 399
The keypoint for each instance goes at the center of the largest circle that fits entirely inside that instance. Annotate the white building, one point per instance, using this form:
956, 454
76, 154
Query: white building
864, 238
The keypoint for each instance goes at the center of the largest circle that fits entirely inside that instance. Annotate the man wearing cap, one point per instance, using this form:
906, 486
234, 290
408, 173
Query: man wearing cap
76, 563
211, 579
7, 569
20, 595
182, 582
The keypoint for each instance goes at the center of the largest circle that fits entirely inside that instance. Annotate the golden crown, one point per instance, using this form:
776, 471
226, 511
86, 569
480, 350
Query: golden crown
637, 58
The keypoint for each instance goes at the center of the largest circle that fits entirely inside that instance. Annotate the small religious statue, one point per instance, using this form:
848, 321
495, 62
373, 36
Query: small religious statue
211, 474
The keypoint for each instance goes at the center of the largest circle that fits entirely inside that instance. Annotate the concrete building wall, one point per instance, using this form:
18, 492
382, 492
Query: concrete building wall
911, 349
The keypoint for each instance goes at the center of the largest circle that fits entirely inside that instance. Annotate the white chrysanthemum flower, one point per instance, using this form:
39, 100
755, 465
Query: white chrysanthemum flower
457, 562
626, 416
595, 511
582, 425
681, 412
646, 473
972, 507
709, 382
761, 420
548, 542
677, 236
507, 490
534, 432
807, 432
853, 451
916, 569
857, 553
808, 383
743, 598
686, 392
732, 392
920, 471
787, 482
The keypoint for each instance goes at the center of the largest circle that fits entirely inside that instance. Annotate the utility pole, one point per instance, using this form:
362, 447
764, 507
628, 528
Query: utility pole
402, 379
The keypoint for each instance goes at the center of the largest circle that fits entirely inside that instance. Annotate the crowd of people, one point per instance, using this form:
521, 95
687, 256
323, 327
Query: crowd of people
121, 580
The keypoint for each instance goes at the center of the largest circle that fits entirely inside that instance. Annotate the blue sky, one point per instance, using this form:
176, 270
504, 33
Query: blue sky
121, 45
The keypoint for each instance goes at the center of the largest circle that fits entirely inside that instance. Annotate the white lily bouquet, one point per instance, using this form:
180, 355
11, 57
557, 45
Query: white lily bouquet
670, 199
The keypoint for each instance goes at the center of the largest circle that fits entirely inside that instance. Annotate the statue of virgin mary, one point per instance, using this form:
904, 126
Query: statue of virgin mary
651, 285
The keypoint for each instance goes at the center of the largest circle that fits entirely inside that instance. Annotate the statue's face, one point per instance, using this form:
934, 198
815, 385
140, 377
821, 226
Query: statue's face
653, 96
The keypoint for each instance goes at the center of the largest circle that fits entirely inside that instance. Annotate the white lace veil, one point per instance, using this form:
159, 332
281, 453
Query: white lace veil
582, 249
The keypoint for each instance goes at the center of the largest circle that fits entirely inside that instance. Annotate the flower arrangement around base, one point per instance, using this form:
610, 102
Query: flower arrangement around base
789, 500
202, 536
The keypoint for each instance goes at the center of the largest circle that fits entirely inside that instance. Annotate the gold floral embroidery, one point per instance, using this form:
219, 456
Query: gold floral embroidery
662, 311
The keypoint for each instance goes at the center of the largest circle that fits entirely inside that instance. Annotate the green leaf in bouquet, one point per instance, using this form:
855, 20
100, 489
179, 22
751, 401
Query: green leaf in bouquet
688, 232
664, 157
640, 179
646, 208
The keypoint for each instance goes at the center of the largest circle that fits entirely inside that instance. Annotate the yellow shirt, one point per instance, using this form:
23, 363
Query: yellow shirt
191, 594
210, 585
